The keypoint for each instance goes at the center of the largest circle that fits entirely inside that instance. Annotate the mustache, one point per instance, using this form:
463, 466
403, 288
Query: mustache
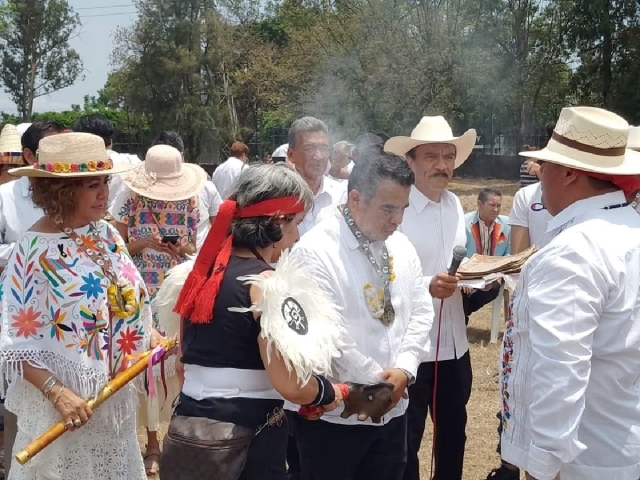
440, 174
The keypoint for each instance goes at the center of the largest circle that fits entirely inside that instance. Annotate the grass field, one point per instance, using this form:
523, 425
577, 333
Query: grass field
481, 454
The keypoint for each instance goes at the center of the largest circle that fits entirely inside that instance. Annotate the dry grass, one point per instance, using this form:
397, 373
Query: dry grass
481, 454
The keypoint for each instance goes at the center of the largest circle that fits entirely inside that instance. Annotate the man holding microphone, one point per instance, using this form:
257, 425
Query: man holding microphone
435, 224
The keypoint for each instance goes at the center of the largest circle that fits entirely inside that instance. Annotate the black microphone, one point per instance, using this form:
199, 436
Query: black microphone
459, 252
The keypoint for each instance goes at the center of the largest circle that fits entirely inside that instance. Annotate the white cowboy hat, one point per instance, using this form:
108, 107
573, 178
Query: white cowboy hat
165, 176
590, 139
10, 146
633, 141
433, 130
71, 155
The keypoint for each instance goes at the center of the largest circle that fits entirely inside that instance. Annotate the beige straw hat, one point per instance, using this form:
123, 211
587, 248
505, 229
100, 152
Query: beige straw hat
10, 146
590, 139
433, 130
165, 176
71, 155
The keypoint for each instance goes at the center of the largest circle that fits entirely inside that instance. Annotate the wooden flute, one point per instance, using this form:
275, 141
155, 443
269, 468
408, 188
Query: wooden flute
56, 431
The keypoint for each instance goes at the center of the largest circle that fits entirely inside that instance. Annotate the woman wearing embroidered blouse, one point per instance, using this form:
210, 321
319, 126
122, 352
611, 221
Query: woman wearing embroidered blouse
63, 334
157, 215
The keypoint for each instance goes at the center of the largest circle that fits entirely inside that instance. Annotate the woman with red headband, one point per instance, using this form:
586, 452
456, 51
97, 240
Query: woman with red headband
229, 418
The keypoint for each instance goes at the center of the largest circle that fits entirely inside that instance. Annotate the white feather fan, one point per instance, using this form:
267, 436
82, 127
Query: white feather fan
298, 318
167, 295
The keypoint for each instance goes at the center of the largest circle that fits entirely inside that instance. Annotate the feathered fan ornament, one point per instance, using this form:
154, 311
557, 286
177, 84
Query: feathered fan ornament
298, 318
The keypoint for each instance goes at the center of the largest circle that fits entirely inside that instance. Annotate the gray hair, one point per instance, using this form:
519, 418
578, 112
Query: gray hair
263, 182
305, 124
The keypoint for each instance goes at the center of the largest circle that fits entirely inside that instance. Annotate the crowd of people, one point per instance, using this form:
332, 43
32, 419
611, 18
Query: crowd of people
320, 323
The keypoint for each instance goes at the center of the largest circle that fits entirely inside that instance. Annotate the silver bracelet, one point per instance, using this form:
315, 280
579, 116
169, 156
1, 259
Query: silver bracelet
55, 402
48, 385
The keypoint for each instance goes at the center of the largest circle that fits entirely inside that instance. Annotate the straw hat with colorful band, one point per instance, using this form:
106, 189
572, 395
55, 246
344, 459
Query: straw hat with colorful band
198, 295
71, 155
10, 146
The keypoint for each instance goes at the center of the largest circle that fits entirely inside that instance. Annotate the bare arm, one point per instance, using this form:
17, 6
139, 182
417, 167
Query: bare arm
285, 382
519, 239
69, 405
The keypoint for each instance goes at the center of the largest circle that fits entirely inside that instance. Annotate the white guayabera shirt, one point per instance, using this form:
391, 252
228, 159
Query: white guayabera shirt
571, 353
331, 253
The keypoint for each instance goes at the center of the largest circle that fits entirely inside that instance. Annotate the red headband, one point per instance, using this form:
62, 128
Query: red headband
627, 183
199, 292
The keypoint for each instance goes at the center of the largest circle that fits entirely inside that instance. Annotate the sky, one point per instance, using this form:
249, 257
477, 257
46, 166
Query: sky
100, 20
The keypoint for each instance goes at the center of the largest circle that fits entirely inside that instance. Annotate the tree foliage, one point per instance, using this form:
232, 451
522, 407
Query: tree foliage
36, 57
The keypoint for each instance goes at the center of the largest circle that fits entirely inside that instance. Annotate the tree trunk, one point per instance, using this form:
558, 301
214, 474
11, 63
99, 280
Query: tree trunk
607, 52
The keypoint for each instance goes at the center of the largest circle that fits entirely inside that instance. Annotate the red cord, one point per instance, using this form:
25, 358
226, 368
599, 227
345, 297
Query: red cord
435, 389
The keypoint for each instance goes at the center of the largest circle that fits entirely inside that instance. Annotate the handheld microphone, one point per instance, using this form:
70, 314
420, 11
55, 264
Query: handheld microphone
459, 252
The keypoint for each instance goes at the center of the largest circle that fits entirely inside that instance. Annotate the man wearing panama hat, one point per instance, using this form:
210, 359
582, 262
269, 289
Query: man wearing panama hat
569, 377
435, 224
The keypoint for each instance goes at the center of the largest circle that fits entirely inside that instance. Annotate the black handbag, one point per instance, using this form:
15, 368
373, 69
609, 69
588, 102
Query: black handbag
198, 447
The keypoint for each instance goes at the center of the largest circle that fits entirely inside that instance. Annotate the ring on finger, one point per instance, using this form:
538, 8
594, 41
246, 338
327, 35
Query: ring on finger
69, 424
77, 422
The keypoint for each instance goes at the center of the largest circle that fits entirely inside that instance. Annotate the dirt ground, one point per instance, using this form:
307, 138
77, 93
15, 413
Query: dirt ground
480, 456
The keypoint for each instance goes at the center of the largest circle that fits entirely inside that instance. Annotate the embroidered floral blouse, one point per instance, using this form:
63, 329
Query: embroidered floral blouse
145, 217
55, 312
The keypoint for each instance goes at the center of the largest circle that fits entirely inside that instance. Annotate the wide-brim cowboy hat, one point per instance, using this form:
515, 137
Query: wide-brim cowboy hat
433, 130
70, 155
165, 176
590, 139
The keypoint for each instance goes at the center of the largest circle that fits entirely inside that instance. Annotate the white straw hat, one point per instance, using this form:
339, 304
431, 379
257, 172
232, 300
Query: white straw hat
165, 176
433, 130
71, 155
10, 146
634, 138
590, 139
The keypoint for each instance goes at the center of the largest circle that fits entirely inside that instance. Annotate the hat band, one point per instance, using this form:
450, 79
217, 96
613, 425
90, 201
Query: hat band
581, 147
66, 167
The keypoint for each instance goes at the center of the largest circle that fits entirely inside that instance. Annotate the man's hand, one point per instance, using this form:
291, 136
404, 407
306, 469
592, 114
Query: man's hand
399, 380
443, 285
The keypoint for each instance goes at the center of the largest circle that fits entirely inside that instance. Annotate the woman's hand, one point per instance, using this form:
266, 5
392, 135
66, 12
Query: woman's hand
156, 338
337, 402
74, 410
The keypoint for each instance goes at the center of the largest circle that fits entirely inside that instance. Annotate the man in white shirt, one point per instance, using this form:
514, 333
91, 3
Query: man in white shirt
101, 126
224, 177
435, 224
209, 199
528, 219
373, 273
569, 376
309, 154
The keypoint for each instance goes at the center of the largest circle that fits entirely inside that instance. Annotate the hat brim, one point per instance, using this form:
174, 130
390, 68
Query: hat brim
187, 185
630, 164
464, 145
30, 171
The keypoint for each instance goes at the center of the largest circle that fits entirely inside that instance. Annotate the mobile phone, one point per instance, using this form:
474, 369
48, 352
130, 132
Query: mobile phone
173, 239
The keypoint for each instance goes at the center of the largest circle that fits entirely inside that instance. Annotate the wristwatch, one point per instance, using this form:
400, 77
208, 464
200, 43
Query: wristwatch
410, 378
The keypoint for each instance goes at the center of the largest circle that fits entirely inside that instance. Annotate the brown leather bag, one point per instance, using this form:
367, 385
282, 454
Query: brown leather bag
197, 447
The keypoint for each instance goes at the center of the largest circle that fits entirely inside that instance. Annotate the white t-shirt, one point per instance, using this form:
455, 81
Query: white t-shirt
225, 176
209, 201
529, 212
117, 186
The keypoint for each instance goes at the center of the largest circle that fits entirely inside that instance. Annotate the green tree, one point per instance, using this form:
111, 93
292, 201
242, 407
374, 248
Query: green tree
36, 57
